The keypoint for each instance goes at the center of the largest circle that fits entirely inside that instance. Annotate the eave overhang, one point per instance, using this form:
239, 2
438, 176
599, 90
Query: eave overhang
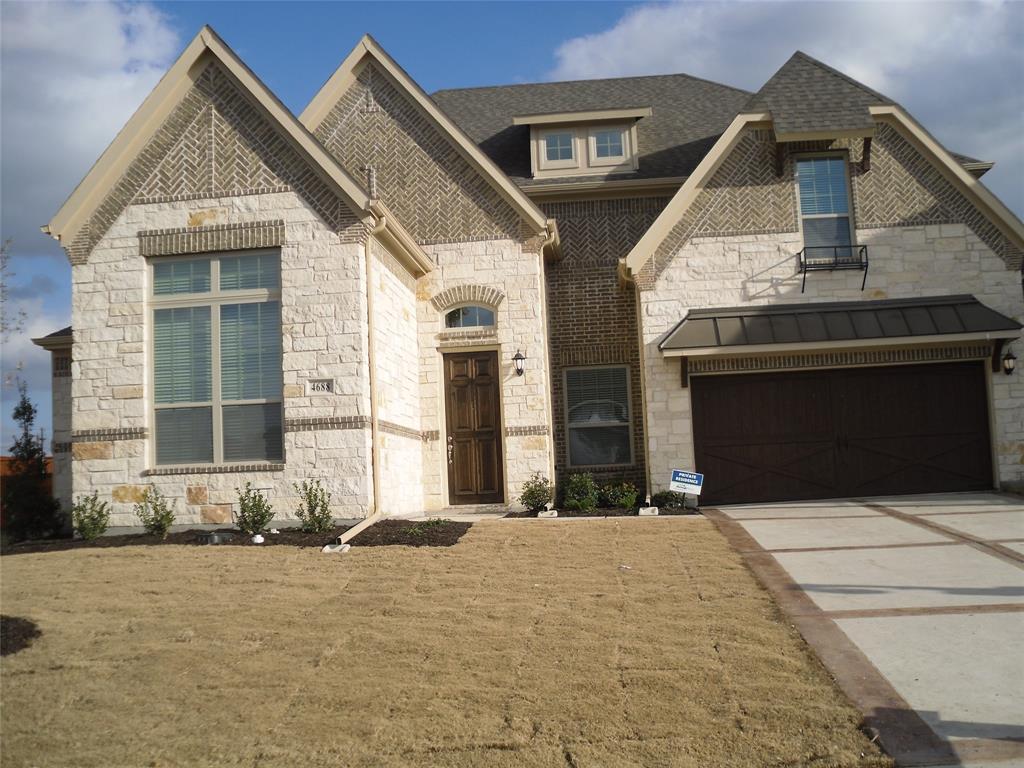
586, 116
399, 243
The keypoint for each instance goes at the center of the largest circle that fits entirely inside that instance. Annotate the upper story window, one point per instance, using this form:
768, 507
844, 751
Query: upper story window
582, 143
597, 416
216, 376
559, 146
608, 144
825, 214
469, 317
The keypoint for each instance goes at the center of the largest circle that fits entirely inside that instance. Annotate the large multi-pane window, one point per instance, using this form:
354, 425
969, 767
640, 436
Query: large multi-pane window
216, 323
825, 206
597, 416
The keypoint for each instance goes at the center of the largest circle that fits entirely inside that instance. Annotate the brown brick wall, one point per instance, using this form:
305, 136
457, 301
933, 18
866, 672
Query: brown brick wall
436, 194
901, 189
592, 321
215, 143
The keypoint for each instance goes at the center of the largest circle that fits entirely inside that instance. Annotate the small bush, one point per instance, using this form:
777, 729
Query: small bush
537, 493
619, 495
315, 508
90, 516
668, 500
254, 511
581, 492
156, 515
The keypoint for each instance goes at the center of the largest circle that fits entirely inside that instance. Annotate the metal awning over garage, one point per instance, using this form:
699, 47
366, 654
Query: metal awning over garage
756, 329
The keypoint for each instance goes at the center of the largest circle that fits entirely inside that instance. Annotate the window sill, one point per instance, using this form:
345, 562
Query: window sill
598, 467
213, 469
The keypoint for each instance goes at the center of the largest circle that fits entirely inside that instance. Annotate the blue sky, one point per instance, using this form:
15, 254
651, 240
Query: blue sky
72, 74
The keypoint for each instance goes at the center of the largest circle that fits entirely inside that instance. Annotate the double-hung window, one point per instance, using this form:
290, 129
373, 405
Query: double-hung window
597, 416
825, 207
217, 384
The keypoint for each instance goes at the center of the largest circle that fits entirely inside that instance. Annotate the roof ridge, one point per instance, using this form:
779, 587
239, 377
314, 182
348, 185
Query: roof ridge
842, 75
594, 80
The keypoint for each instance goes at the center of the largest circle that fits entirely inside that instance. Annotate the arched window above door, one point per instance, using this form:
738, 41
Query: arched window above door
469, 317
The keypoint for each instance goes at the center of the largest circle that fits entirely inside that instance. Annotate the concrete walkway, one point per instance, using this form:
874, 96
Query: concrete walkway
916, 605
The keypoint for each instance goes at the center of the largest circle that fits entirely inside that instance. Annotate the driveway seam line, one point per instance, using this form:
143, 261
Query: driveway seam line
982, 545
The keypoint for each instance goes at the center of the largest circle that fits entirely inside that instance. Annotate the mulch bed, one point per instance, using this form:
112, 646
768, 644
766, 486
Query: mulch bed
431, 533
600, 512
423, 533
16, 634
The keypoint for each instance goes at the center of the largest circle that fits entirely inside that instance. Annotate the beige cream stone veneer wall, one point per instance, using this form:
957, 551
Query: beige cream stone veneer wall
323, 335
911, 261
508, 277
396, 360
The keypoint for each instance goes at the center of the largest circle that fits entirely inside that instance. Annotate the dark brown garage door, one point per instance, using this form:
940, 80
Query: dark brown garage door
851, 432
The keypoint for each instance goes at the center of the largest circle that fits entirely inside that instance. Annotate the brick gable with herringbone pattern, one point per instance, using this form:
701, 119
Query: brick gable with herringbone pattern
215, 143
436, 194
901, 189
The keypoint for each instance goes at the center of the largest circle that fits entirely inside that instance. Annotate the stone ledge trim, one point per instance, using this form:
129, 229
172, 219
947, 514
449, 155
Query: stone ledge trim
96, 435
212, 197
218, 237
460, 337
431, 434
320, 423
397, 429
540, 429
697, 365
214, 469
471, 293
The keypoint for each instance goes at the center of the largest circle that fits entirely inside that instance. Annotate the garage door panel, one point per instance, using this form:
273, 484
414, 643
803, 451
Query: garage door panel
825, 434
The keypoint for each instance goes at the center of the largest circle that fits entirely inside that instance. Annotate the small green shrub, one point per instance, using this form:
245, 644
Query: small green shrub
537, 493
156, 514
254, 511
90, 516
668, 500
581, 492
619, 495
424, 527
315, 508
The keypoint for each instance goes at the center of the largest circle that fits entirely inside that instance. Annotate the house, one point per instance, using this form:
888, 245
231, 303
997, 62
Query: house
424, 300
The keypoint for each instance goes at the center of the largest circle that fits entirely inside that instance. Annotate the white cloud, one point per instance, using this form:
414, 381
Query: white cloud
955, 66
72, 75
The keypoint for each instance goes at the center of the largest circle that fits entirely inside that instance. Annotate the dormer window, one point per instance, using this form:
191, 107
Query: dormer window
583, 143
559, 146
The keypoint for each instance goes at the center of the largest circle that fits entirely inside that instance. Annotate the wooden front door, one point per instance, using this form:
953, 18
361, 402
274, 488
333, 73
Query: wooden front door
472, 413
836, 433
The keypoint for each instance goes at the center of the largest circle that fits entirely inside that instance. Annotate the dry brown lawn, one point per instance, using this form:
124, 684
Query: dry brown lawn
530, 643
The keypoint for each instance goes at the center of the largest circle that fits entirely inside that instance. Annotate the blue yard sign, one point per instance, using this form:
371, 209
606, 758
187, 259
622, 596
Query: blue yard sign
686, 482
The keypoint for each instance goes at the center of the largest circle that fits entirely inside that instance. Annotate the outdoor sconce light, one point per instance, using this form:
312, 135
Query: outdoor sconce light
1009, 362
519, 361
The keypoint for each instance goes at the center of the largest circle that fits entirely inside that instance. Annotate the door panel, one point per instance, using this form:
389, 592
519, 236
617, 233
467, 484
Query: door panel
850, 432
472, 412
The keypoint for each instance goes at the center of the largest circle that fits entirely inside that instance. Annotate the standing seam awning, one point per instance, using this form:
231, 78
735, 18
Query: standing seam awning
893, 321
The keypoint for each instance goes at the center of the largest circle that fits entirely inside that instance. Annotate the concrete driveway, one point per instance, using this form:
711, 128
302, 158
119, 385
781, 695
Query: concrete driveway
916, 605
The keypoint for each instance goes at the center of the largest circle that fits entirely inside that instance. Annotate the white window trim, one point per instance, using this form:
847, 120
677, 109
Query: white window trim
585, 160
214, 299
628, 423
849, 215
542, 149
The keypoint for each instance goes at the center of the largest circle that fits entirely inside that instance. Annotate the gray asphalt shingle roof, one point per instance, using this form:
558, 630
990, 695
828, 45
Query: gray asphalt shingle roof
835, 321
807, 95
689, 114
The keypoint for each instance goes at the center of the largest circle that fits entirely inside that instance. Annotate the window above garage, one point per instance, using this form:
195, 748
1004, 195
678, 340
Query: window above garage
583, 143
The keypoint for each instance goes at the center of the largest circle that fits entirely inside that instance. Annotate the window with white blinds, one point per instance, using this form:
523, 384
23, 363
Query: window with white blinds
217, 377
825, 206
597, 416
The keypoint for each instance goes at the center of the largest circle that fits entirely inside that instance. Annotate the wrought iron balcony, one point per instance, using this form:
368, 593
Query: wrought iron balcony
828, 258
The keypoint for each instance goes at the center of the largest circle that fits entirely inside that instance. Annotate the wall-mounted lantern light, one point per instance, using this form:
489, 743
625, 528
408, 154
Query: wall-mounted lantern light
519, 361
1009, 362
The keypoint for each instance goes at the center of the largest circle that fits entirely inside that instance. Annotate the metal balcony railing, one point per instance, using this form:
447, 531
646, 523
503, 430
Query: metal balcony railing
828, 258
